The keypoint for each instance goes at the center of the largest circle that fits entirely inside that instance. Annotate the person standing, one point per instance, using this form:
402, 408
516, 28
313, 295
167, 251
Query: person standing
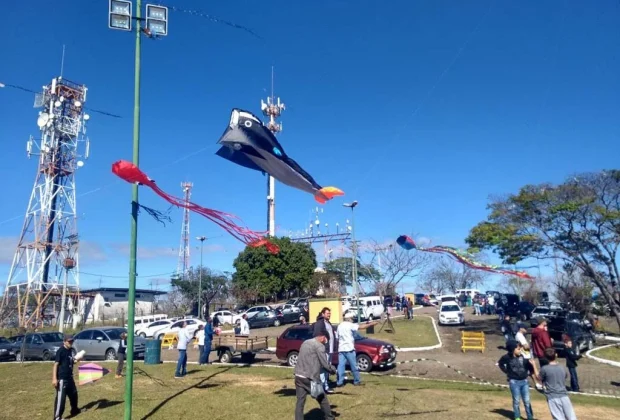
244, 327
517, 369
554, 380
526, 350
183, 340
208, 339
410, 307
571, 364
324, 327
200, 336
540, 342
311, 362
346, 350
62, 380
121, 354
507, 329
405, 308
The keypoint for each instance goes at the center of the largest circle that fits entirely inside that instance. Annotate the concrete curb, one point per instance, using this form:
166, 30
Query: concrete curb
601, 360
436, 346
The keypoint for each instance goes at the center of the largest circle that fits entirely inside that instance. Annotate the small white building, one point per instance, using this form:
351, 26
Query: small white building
111, 303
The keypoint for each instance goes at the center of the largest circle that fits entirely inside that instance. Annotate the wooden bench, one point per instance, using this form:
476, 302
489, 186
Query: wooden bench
473, 340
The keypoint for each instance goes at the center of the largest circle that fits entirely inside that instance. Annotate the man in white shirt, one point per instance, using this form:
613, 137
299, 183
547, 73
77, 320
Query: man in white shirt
245, 327
346, 350
183, 338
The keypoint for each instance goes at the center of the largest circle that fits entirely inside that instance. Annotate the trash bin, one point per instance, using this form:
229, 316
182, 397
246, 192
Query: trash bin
152, 354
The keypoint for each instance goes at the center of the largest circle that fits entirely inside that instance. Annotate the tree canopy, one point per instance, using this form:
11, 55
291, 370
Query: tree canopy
577, 221
260, 274
449, 276
343, 268
213, 286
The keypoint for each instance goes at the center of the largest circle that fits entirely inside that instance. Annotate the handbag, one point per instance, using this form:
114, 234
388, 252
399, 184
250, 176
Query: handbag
316, 389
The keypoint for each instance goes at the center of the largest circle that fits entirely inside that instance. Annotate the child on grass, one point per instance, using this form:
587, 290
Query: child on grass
554, 380
571, 364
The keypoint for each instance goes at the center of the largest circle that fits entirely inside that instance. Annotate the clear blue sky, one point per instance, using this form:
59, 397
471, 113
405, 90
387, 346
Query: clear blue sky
417, 109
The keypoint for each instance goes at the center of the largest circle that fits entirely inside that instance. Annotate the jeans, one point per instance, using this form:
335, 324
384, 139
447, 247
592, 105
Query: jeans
520, 390
574, 379
302, 390
121, 361
325, 374
204, 353
410, 313
181, 364
477, 308
345, 357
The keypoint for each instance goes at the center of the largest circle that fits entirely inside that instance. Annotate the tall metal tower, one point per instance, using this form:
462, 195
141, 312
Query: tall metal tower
272, 109
183, 264
47, 252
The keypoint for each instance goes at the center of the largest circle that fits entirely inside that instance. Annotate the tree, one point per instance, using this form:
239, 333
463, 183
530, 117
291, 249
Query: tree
448, 275
327, 284
343, 268
214, 286
393, 264
577, 221
262, 274
574, 288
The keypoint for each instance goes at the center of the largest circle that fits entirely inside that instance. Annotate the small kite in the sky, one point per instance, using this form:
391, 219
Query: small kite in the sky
249, 143
463, 257
132, 174
91, 372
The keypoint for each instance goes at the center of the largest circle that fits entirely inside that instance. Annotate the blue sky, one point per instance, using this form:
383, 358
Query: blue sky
417, 109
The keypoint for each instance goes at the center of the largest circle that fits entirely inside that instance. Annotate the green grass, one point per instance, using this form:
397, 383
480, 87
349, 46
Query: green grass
610, 353
228, 392
416, 333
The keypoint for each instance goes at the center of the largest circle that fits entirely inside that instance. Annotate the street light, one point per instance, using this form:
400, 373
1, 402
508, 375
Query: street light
202, 241
355, 285
120, 17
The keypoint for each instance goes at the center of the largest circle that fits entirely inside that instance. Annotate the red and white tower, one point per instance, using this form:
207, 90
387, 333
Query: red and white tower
183, 264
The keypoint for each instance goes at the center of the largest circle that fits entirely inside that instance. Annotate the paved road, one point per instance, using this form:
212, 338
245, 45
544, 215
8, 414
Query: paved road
594, 377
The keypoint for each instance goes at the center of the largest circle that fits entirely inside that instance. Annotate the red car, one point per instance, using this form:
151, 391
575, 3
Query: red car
370, 352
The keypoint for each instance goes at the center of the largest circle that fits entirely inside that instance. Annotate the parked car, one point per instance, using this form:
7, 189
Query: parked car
371, 307
41, 346
447, 298
150, 330
192, 327
290, 317
256, 309
265, 319
370, 353
419, 299
450, 313
525, 310
102, 343
582, 337
226, 317
7, 349
509, 303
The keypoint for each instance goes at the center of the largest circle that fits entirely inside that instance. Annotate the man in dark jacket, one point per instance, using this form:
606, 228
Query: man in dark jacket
322, 326
311, 362
517, 369
571, 364
507, 329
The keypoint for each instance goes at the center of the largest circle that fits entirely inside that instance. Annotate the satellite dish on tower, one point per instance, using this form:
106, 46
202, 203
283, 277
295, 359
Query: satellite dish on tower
80, 163
43, 119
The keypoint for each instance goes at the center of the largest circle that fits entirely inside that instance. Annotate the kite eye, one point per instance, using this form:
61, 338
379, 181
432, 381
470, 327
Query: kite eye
277, 151
237, 146
248, 123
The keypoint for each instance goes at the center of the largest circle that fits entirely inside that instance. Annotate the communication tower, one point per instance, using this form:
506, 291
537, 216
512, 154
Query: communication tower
47, 252
183, 264
272, 109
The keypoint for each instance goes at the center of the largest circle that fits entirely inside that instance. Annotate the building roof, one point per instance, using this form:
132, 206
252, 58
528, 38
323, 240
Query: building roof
123, 290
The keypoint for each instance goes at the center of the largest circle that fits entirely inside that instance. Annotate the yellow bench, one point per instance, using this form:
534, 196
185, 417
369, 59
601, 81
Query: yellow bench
171, 339
473, 340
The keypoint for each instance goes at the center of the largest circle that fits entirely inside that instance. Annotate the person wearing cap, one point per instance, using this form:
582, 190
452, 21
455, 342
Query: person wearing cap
310, 362
346, 350
517, 369
62, 379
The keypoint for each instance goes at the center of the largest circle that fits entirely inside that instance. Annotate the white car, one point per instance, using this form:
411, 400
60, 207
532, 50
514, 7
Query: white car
450, 313
150, 330
256, 309
192, 326
289, 308
226, 317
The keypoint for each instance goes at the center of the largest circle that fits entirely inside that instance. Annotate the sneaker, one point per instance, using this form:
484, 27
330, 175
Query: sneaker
330, 391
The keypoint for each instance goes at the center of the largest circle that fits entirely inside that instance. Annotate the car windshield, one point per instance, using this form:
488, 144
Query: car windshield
357, 336
114, 334
449, 308
4, 340
541, 310
52, 337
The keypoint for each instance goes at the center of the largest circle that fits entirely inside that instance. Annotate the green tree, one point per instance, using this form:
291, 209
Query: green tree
343, 269
214, 286
577, 221
260, 274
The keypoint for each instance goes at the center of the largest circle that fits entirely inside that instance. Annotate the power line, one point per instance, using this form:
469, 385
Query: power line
124, 277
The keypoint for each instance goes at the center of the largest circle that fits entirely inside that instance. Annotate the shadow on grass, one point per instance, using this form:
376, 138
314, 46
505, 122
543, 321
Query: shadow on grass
317, 414
410, 413
138, 371
504, 413
198, 385
100, 404
614, 383
286, 392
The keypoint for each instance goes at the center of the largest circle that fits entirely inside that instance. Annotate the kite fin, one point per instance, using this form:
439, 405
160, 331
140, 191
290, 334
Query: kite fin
327, 193
271, 247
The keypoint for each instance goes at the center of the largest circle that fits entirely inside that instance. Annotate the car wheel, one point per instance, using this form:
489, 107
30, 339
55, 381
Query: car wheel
225, 357
364, 364
46, 356
276, 323
160, 337
110, 354
291, 360
18, 357
143, 335
370, 318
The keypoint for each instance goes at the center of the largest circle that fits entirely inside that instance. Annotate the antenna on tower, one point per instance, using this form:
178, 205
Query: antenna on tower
272, 109
62, 61
183, 263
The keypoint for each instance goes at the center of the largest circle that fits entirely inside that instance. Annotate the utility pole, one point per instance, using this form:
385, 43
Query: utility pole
156, 24
202, 241
354, 262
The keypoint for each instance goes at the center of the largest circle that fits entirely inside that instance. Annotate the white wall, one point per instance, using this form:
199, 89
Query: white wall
113, 305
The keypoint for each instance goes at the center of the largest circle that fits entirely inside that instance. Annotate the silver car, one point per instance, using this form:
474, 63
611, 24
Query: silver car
102, 343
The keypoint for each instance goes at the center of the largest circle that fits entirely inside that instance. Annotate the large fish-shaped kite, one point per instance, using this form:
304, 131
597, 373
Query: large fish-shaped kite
463, 257
249, 143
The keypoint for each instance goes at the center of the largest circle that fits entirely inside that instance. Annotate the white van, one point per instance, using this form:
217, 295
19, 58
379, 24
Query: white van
372, 307
468, 292
143, 321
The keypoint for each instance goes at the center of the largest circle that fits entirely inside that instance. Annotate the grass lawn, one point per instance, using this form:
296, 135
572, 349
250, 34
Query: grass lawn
223, 392
610, 353
416, 333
